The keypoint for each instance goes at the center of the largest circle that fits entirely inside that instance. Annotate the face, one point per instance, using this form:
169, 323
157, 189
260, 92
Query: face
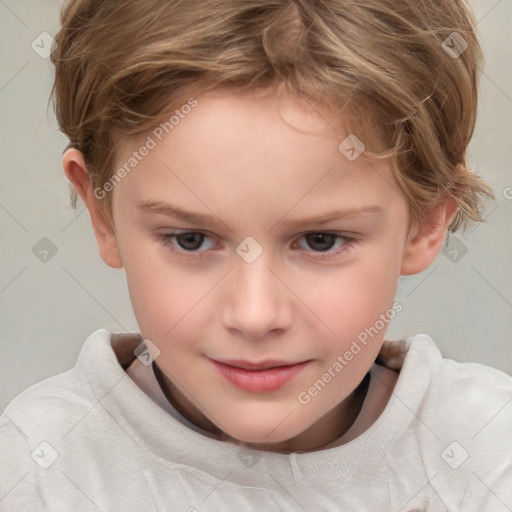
247, 242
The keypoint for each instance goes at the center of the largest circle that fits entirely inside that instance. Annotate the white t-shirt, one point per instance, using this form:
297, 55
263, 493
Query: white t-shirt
99, 438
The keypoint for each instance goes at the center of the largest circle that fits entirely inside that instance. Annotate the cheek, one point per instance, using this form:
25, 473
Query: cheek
356, 297
357, 306
160, 294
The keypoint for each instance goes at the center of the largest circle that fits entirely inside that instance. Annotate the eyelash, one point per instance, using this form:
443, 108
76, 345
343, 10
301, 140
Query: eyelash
167, 239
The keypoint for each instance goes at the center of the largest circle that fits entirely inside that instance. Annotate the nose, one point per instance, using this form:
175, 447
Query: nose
256, 303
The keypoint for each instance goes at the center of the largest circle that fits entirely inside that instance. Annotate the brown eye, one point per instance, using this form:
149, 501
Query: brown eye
325, 246
321, 241
190, 241
187, 242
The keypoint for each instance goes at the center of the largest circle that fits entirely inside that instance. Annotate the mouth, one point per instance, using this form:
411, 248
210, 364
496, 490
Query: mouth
259, 377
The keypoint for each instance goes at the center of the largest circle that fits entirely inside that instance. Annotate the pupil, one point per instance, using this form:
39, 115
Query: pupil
324, 240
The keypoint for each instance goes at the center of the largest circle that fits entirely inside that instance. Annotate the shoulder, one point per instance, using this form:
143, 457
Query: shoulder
44, 402
43, 411
28, 429
460, 425
37, 426
427, 376
48, 408
472, 403
455, 387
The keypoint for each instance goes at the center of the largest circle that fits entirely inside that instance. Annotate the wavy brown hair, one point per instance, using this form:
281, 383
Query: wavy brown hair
121, 66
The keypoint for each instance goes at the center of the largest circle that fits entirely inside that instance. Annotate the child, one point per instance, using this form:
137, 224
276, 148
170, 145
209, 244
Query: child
218, 146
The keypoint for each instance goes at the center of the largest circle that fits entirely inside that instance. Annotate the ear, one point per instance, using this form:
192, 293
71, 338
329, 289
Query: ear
76, 171
425, 241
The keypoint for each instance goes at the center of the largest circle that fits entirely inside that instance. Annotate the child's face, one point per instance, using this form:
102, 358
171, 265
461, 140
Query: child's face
304, 299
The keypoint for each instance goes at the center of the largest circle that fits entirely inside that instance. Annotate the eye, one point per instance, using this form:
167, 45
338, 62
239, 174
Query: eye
319, 245
186, 242
323, 244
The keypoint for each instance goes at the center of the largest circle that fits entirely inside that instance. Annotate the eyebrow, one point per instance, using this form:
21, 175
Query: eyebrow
160, 208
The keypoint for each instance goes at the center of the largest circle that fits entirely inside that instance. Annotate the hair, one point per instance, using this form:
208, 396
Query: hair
120, 67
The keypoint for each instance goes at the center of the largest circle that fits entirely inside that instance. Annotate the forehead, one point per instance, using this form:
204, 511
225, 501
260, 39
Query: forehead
279, 148
226, 108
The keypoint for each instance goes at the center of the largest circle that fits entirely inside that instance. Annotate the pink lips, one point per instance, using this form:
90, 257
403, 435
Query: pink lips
261, 377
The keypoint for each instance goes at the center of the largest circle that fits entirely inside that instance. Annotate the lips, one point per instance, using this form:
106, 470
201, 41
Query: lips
248, 365
258, 377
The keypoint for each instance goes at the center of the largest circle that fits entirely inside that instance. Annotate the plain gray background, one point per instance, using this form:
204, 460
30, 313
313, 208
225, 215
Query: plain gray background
48, 308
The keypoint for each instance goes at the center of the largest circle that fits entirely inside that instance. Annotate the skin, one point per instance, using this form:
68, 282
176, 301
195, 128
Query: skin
234, 158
